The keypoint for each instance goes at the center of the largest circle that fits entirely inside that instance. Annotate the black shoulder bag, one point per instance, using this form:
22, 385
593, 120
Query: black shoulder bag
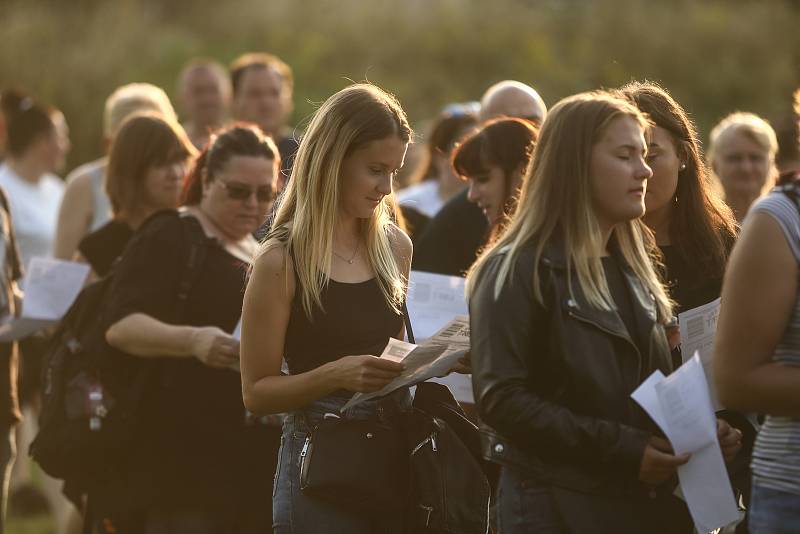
360, 464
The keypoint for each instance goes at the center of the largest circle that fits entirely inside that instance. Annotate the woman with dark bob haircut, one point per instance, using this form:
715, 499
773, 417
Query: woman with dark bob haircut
147, 162
493, 160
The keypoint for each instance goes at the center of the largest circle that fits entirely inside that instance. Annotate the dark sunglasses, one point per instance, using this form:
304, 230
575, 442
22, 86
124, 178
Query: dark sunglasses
242, 192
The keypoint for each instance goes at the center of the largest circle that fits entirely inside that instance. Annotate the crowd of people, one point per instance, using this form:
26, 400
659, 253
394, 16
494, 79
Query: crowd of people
582, 231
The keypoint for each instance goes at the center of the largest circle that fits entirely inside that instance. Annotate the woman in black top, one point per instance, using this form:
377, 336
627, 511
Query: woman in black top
194, 466
146, 165
326, 292
695, 231
693, 227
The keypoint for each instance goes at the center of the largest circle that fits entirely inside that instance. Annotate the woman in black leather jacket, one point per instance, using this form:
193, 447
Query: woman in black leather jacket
567, 317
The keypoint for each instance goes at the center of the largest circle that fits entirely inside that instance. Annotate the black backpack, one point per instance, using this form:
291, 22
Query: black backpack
90, 391
450, 491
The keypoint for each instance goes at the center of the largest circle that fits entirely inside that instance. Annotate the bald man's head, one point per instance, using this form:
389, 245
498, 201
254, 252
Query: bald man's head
512, 99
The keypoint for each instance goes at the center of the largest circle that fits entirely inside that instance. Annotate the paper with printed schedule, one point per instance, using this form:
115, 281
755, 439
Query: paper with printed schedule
681, 406
697, 327
50, 287
436, 356
433, 300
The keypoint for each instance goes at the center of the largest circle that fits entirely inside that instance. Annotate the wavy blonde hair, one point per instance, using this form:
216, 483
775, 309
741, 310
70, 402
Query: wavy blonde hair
556, 204
309, 206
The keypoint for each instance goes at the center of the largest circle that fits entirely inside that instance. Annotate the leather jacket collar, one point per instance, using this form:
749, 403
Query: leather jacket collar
577, 305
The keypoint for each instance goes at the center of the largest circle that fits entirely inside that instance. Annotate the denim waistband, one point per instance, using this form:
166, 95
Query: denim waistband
384, 409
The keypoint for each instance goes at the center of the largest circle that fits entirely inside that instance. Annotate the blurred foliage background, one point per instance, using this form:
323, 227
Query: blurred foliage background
715, 56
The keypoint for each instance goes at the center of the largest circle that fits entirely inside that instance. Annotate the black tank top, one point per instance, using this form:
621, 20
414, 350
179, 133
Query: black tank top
356, 320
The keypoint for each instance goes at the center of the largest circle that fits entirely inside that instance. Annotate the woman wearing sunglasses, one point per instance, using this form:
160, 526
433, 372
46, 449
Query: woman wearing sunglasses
198, 464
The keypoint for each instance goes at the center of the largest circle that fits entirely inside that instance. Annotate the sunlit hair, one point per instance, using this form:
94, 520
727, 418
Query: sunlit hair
751, 125
796, 102
135, 98
309, 207
754, 128
144, 141
556, 206
702, 226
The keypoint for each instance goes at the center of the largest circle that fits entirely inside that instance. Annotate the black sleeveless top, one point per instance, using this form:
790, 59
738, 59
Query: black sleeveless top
356, 320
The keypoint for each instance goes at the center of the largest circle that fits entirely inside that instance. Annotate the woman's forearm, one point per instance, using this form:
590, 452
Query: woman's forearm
142, 335
278, 394
769, 388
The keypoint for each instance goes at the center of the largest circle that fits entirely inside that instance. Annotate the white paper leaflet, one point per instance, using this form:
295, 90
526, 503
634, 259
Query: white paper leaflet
51, 287
436, 356
433, 300
681, 406
697, 327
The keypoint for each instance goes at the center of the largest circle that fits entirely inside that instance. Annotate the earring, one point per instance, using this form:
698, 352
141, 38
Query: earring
683, 166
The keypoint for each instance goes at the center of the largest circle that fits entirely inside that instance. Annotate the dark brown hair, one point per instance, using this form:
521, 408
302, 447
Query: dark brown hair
259, 60
506, 143
237, 140
445, 132
702, 227
26, 121
143, 141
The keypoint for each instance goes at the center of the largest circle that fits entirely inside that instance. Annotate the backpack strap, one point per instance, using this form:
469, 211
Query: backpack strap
196, 236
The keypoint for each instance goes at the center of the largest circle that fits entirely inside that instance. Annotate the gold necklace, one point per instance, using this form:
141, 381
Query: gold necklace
352, 258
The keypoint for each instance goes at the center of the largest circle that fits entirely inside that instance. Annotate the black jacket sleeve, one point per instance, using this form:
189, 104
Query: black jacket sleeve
510, 337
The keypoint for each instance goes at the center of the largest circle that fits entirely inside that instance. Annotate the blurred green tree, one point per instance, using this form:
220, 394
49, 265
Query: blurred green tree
715, 56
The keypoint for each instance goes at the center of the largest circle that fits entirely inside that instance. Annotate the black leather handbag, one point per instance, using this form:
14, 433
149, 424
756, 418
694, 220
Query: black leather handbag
358, 464
361, 464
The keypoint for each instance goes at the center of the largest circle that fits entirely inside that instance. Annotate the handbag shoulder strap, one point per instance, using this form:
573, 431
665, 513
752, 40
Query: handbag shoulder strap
407, 320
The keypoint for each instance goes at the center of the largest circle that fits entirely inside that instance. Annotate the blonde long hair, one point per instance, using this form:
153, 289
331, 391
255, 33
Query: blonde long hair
309, 207
556, 204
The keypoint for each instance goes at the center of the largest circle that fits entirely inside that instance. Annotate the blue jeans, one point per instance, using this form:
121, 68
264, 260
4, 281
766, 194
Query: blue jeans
294, 512
774, 511
525, 506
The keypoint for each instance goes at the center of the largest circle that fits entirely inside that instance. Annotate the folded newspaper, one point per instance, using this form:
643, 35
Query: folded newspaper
434, 357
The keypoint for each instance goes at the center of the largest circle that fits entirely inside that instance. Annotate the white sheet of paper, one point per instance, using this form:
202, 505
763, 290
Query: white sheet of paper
460, 386
397, 350
437, 355
237, 331
646, 396
688, 422
51, 287
687, 409
21, 328
433, 300
697, 327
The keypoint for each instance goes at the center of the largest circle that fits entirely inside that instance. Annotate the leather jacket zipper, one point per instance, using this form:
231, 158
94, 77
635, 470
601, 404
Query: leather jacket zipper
615, 334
